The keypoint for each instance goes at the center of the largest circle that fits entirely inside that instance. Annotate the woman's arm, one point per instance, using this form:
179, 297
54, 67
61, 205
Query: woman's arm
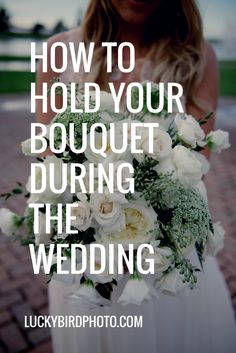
208, 91
45, 118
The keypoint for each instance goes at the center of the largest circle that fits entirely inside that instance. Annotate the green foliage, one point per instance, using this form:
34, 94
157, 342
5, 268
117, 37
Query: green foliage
182, 214
181, 209
187, 272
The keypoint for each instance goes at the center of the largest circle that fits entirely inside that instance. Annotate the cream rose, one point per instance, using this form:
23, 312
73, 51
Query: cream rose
139, 222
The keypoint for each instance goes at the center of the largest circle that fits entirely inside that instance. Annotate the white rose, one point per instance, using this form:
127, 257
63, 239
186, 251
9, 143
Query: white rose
204, 162
41, 237
86, 296
215, 242
104, 150
171, 283
161, 257
26, 145
201, 188
108, 211
163, 121
187, 168
106, 102
183, 165
105, 117
93, 157
105, 276
218, 140
140, 220
7, 221
137, 291
83, 215
189, 130
166, 166
119, 127
162, 144
125, 176
47, 196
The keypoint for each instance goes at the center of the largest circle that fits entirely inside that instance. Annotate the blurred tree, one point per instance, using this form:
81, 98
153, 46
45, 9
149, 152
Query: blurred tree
59, 27
38, 29
5, 24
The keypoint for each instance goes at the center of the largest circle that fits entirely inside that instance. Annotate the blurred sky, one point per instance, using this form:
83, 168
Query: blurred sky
219, 15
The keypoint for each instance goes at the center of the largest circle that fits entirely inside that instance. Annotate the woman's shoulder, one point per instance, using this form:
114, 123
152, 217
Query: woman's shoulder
72, 35
209, 53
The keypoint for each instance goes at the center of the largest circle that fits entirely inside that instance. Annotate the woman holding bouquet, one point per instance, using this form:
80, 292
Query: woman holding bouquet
169, 45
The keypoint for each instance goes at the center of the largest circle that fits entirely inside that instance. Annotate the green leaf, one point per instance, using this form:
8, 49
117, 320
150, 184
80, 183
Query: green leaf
17, 191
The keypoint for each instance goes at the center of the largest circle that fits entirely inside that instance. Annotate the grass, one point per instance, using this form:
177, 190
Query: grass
17, 81
14, 58
228, 78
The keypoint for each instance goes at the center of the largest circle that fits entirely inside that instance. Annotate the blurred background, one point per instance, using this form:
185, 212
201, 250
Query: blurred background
23, 21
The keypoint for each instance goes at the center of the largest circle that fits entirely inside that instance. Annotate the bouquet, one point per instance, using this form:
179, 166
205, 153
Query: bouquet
149, 210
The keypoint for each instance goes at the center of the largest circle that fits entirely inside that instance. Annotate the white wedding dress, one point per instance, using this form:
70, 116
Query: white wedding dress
201, 322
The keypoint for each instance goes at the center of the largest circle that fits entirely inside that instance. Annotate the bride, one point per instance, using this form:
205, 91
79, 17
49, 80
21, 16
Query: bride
169, 45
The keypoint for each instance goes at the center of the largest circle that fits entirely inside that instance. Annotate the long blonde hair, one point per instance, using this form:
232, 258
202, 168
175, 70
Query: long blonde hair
174, 35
